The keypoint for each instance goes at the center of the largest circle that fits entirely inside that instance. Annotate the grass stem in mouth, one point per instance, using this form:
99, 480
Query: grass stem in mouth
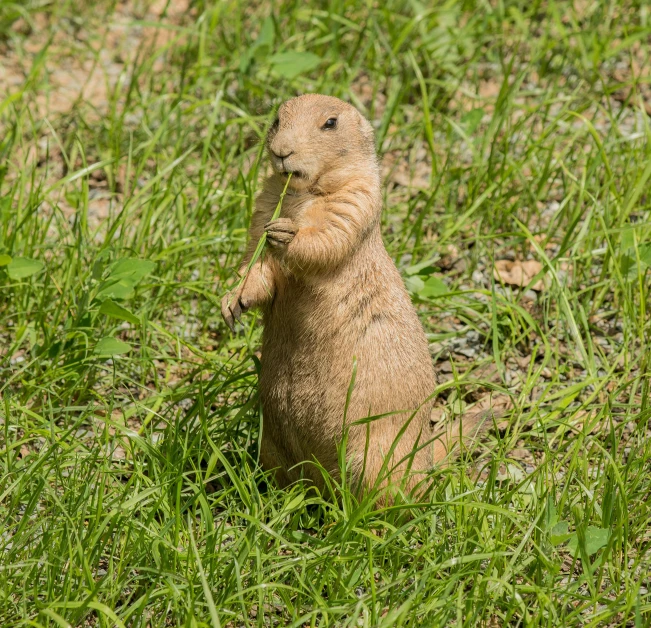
263, 238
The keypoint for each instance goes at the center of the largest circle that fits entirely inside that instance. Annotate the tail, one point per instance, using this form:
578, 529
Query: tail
458, 436
461, 435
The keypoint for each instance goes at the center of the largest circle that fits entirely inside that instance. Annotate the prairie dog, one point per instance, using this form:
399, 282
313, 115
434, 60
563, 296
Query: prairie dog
329, 294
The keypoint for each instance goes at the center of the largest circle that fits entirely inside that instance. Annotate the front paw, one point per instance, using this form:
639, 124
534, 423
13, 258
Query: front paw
280, 233
233, 306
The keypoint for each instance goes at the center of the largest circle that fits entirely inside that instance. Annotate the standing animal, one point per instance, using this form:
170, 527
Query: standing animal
330, 294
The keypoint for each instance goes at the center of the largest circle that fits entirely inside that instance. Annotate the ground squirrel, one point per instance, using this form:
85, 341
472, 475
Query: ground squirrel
329, 294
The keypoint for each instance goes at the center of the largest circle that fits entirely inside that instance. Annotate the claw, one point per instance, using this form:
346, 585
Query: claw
232, 310
227, 313
236, 311
228, 319
280, 232
279, 239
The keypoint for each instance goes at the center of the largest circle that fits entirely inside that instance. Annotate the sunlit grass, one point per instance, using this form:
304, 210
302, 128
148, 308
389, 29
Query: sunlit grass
130, 491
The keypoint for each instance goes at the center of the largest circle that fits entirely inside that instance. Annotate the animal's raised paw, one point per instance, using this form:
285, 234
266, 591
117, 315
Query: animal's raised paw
280, 232
232, 309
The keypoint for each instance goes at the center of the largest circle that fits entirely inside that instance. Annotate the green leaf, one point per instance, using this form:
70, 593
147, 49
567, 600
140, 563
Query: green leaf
423, 268
645, 254
627, 239
108, 346
434, 287
117, 289
21, 267
628, 267
595, 539
628, 261
111, 308
245, 61
426, 288
472, 120
98, 269
560, 533
131, 268
292, 64
551, 514
261, 47
5, 259
265, 41
415, 284
124, 275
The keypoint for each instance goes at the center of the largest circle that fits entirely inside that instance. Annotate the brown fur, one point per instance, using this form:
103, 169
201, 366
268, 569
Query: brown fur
329, 293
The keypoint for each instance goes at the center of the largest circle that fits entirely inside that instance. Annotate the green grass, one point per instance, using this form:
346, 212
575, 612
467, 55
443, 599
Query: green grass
130, 492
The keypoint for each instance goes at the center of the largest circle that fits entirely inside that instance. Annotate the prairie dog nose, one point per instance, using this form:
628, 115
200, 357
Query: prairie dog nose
291, 152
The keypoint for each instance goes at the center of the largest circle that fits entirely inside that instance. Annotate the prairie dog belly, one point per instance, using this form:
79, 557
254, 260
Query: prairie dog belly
312, 335
302, 384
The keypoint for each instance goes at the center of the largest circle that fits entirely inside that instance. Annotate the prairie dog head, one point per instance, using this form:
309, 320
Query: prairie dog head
322, 141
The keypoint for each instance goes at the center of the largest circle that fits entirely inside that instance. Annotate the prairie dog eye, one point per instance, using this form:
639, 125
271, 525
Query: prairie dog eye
330, 123
276, 123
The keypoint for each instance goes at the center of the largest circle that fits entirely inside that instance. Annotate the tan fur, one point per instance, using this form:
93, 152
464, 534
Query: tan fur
329, 293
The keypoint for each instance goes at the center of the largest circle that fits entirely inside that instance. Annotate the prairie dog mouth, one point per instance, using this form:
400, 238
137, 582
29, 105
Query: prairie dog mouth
295, 173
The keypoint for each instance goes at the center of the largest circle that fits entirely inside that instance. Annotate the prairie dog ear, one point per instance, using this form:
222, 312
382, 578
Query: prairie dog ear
368, 133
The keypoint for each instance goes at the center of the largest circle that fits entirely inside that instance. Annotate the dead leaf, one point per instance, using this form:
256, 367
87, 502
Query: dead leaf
634, 86
521, 453
445, 367
364, 89
399, 170
489, 89
487, 372
118, 453
174, 8
499, 404
438, 415
518, 273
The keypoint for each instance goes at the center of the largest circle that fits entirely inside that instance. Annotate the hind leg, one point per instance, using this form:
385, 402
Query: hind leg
273, 460
405, 472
